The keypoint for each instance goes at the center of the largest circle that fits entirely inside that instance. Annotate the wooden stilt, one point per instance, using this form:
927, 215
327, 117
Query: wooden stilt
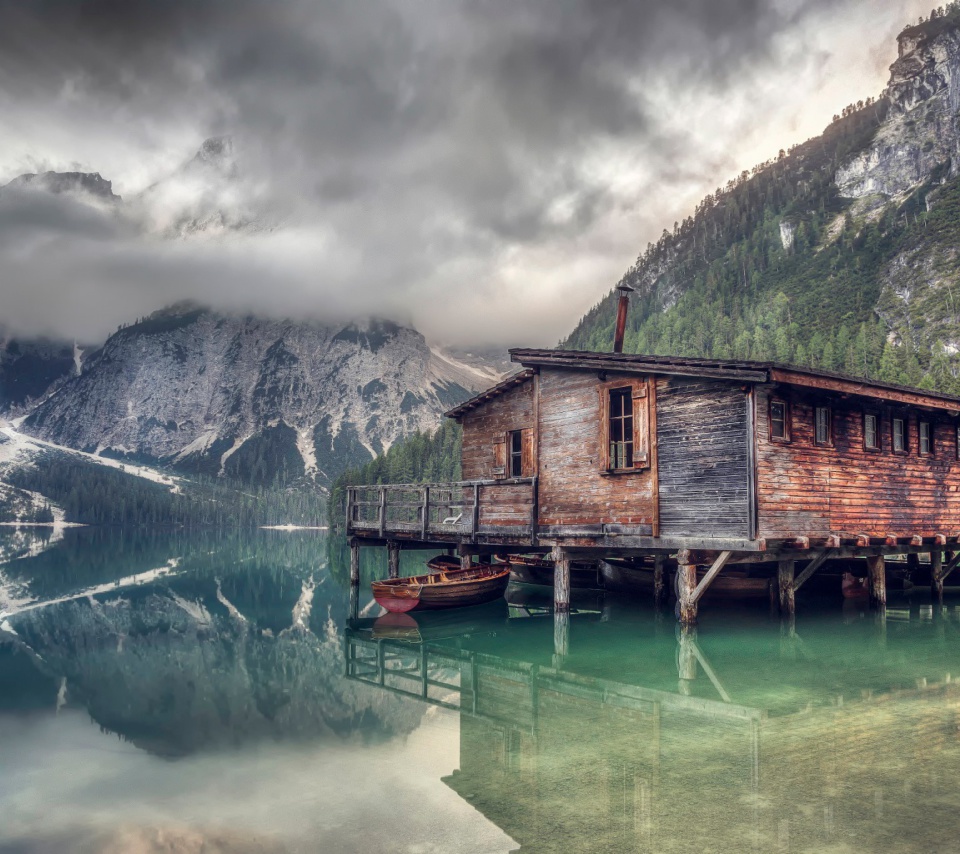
354, 601
354, 562
785, 580
687, 660
686, 585
658, 586
393, 560
561, 636
878, 580
936, 575
561, 580
913, 566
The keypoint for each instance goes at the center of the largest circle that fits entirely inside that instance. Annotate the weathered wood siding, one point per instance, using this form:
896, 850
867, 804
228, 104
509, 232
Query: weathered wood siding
807, 490
704, 459
573, 490
485, 456
485, 427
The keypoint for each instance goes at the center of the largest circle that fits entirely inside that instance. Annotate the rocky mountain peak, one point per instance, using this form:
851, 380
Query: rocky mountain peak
929, 57
61, 183
921, 137
256, 398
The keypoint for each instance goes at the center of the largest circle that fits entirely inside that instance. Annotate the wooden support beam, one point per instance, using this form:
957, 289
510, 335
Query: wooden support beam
916, 540
940, 539
878, 580
833, 541
354, 562
658, 585
686, 661
711, 674
351, 497
952, 564
561, 636
425, 513
936, 575
561, 580
891, 539
863, 540
475, 521
382, 511
711, 573
393, 559
686, 585
811, 568
913, 564
354, 601
785, 581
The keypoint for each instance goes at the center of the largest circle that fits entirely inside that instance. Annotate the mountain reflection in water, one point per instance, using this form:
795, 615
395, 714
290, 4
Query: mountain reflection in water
254, 713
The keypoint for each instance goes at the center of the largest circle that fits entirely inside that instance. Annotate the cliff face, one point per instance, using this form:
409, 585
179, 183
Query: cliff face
839, 254
252, 397
922, 132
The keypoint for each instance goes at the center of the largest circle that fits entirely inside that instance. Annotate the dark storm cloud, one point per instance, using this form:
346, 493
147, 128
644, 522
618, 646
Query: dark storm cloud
415, 136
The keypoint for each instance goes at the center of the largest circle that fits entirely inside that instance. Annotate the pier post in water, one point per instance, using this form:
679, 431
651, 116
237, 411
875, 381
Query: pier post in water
658, 587
561, 637
354, 563
686, 660
785, 581
876, 568
936, 575
561, 580
393, 559
686, 585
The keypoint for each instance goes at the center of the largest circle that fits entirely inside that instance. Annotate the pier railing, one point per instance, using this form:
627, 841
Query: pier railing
451, 511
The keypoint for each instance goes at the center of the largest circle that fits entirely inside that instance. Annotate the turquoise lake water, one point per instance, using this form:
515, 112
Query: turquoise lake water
225, 693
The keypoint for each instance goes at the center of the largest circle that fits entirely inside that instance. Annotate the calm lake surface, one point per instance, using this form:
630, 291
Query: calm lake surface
184, 693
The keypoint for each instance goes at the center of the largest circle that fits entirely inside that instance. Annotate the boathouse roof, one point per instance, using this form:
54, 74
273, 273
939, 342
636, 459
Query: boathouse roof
729, 369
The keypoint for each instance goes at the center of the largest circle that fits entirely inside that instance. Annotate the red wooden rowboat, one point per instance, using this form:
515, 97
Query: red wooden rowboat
854, 587
451, 588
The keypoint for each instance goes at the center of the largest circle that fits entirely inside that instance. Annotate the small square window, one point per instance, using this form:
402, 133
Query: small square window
823, 422
926, 438
899, 429
871, 435
779, 421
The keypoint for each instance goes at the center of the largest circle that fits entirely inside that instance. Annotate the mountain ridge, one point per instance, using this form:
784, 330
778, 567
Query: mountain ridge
838, 254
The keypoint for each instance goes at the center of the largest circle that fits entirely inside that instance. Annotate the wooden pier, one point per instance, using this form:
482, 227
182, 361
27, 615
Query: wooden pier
702, 466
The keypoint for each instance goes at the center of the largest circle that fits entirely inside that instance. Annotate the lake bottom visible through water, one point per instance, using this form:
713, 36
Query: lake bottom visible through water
224, 692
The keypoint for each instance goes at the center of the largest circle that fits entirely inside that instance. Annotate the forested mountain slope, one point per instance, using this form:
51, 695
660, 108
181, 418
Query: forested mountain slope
841, 253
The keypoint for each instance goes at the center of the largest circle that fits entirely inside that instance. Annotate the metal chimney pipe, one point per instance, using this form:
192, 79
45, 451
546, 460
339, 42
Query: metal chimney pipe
625, 291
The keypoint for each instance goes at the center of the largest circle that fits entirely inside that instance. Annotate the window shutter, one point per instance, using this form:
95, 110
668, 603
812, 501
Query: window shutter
603, 457
500, 457
641, 427
528, 465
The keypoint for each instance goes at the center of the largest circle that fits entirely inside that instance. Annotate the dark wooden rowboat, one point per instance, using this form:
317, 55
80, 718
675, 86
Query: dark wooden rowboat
441, 563
533, 570
454, 588
623, 577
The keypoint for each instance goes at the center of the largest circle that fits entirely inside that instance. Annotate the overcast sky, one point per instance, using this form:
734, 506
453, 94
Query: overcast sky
484, 169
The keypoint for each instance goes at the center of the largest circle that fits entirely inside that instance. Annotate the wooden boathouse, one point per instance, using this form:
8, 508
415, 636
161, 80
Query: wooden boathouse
596, 456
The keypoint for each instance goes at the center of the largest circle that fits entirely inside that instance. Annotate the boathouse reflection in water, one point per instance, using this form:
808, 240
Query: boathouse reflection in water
804, 746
